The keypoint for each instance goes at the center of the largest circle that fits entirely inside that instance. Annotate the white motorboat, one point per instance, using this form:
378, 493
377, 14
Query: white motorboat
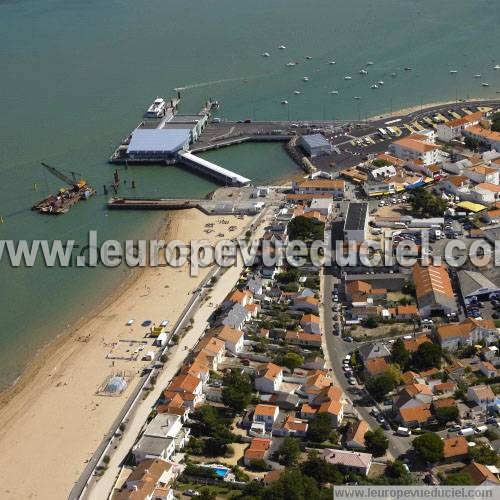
381, 82
453, 71
334, 92
363, 72
477, 76
393, 75
157, 108
308, 58
282, 47
374, 86
497, 66
296, 92
332, 63
347, 77
369, 63
291, 64
485, 84
306, 78
284, 102
266, 54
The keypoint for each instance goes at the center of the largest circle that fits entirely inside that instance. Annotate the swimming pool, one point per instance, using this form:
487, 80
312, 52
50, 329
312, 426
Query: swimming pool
221, 471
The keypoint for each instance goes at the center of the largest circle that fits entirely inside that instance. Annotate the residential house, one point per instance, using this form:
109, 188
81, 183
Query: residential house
374, 350
487, 192
357, 291
487, 369
258, 450
153, 447
405, 313
241, 297
483, 173
480, 475
310, 323
349, 460
484, 136
376, 366
151, 479
468, 332
482, 395
303, 339
189, 387
306, 304
334, 187
433, 290
415, 147
335, 410
213, 348
414, 343
268, 378
166, 425
292, 426
233, 339
453, 129
455, 448
458, 185
444, 388
308, 412
266, 414
355, 437
237, 316
415, 416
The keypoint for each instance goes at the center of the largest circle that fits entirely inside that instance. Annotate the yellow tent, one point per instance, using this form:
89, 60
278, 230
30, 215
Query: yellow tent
472, 207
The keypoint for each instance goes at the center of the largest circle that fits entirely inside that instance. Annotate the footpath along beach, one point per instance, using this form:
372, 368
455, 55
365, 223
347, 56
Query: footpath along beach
53, 420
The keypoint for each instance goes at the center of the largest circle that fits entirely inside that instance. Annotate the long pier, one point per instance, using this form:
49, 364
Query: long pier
208, 207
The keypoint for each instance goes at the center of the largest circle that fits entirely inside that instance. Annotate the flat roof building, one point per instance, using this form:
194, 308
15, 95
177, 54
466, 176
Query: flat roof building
158, 143
315, 145
356, 222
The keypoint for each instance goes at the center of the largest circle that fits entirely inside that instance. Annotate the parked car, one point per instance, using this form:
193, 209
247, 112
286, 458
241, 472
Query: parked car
352, 381
348, 339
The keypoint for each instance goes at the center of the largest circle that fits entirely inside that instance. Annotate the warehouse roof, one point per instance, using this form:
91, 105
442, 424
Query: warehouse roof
315, 140
158, 140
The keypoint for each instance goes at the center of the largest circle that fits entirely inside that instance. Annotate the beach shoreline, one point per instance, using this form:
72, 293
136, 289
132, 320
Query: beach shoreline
58, 401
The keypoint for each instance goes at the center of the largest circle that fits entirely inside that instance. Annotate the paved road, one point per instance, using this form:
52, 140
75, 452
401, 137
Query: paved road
337, 349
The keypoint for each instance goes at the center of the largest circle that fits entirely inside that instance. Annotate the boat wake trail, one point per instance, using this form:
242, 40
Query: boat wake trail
225, 80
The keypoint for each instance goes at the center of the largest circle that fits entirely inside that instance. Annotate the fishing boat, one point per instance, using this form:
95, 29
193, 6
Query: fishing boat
296, 92
291, 64
484, 84
282, 47
347, 77
357, 98
453, 71
308, 58
381, 82
497, 66
284, 102
374, 86
363, 72
369, 63
393, 75
332, 63
266, 54
334, 92
477, 76
306, 78
408, 68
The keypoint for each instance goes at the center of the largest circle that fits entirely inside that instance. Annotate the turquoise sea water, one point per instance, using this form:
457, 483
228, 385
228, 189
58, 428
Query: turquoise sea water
77, 75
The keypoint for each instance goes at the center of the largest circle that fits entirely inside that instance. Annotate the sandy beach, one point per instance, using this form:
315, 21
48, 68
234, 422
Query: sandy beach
53, 419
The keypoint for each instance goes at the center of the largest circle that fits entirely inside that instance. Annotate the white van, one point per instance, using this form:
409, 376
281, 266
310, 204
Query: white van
403, 431
467, 431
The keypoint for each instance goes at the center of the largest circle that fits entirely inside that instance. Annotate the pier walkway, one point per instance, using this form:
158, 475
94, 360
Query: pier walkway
212, 170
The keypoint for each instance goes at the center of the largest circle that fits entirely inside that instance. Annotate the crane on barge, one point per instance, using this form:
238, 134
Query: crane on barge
60, 203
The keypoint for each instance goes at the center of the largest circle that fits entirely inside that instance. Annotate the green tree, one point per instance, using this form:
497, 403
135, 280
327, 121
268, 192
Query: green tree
237, 390
495, 122
483, 454
304, 229
319, 429
428, 355
427, 204
370, 323
320, 470
292, 485
380, 386
429, 446
396, 470
289, 451
399, 354
446, 414
376, 442
458, 479
259, 465
291, 360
